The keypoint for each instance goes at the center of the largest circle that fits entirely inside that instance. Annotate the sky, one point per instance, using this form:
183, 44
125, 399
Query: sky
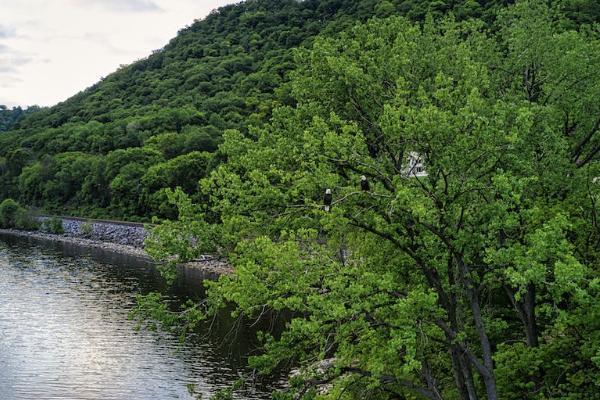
52, 49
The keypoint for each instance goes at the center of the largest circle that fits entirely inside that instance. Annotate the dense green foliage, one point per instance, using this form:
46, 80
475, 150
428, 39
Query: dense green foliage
91, 154
13, 215
9, 117
479, 280
8, 211
53, 225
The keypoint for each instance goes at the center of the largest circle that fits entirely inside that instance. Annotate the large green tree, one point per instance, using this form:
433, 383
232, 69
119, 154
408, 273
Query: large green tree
476, 280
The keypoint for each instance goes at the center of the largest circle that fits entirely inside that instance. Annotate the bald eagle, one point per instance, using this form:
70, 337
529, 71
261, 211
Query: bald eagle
327, 199
364, 184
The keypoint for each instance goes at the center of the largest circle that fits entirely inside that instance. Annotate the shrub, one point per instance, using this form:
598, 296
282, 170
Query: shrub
23, 220
13, 215
87, 228
54, 225
8, 212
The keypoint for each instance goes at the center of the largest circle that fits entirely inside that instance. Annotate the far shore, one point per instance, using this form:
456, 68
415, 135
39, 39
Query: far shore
209, 264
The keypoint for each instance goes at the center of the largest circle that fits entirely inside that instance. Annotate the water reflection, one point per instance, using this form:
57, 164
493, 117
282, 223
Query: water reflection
64, 331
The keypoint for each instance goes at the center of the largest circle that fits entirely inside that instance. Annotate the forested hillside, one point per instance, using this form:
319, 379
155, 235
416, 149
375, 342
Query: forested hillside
10, 116
111, 149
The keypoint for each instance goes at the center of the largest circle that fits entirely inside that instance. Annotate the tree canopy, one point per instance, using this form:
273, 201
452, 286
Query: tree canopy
10, 116
476, 280
228, 71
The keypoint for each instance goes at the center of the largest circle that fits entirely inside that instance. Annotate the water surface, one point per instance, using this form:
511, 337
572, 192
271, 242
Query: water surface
65, 331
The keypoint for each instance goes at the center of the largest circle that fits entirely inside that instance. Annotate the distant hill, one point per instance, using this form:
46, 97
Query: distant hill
10, 116
111, 149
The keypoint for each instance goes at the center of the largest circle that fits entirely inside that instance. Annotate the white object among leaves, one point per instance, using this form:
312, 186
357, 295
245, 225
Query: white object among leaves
415, 166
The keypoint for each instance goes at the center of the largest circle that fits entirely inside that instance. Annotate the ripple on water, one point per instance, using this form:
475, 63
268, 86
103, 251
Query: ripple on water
64, 334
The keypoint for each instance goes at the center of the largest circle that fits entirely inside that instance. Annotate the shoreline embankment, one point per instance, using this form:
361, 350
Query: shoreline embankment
112, 236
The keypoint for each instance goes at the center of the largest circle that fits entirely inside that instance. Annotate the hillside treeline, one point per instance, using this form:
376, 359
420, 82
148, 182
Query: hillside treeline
10, 116
112, 149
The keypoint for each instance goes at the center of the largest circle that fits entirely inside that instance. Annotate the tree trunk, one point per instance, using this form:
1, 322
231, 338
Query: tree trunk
526, 310
473, 298
531, 329
462, 371
468, 373
463, 375
488, 378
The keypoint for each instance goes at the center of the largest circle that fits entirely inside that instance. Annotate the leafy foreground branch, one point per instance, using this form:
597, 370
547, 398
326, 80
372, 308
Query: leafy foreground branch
476, 281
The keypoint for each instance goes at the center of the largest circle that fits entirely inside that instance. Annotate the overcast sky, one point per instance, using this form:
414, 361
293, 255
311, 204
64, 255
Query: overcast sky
52, 49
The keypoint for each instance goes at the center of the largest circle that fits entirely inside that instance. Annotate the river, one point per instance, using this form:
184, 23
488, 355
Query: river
65, 331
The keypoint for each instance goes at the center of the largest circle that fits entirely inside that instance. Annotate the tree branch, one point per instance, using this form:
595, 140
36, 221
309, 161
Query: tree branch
579, 147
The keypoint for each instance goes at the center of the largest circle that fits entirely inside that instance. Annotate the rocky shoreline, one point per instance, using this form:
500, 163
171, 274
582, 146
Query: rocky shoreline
209, 264
116, 232
79, 241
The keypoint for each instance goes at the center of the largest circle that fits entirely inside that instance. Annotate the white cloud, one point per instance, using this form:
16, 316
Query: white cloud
8, 81
11, 59
50, 50
6, 31
123, 5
